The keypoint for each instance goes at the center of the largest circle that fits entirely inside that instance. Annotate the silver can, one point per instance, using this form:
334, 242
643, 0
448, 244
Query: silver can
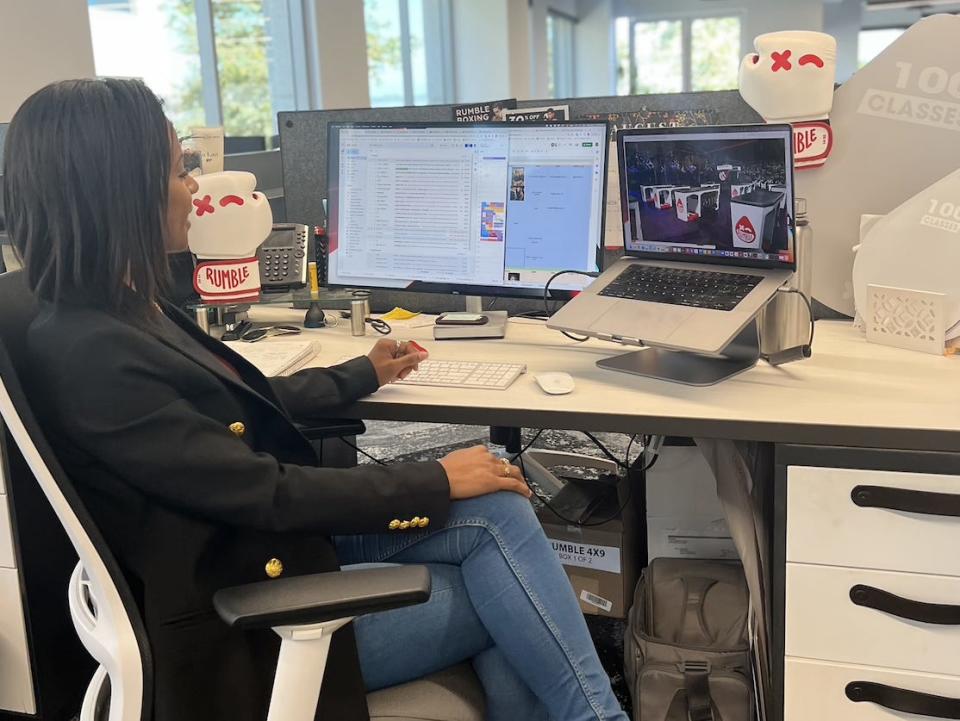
358, 316
785, 321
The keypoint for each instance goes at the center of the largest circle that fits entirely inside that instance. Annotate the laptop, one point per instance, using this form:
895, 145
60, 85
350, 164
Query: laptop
709, 236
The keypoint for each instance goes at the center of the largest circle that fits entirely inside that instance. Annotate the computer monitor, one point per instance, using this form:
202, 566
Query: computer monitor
723, 194
465, 208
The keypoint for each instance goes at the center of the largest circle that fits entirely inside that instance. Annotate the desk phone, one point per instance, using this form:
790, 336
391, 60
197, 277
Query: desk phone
283, 257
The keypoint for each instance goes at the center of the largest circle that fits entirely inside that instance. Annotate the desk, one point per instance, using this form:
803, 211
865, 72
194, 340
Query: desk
850, 393
854, 414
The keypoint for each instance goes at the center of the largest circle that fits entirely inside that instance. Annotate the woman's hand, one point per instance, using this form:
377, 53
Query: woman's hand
476, 472
394, 360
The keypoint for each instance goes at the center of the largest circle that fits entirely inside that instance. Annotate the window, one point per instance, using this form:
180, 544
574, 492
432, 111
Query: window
714, 53
673, 56
871, 43
657, 57
156, 42
560, 56
408, 52
234, 63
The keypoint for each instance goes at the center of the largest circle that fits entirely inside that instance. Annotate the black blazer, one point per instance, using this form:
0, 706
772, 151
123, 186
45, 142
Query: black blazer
188, 461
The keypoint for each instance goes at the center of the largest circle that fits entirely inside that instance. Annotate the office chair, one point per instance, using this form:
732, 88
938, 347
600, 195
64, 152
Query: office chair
304, 611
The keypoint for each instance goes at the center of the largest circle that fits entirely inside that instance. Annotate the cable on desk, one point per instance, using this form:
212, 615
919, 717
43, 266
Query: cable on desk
532, 314
546, 296
629, 446
379, 325
605, 451
809, 305
363, 452
527, 447
786, 355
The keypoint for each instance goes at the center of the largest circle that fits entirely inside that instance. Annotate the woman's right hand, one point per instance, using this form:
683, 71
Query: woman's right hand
476, 472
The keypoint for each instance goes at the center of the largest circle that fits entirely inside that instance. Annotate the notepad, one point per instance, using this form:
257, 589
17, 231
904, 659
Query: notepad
276, 357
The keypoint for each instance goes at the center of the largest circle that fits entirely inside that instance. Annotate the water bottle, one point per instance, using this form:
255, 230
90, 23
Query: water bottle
785, 321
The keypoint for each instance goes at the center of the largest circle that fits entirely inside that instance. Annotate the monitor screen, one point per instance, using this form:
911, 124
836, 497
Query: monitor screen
715, 194
481, 208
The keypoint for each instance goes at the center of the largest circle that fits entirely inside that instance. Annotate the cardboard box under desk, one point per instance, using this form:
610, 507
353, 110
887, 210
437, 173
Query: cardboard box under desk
603, 562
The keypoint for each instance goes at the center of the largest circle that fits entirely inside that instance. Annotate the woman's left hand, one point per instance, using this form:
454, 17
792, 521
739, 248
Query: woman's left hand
394, 360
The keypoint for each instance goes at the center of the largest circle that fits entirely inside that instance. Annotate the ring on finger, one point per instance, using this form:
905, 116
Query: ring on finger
399, 345
505, 471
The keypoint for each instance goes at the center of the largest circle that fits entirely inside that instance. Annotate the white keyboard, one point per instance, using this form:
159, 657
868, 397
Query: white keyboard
465, 374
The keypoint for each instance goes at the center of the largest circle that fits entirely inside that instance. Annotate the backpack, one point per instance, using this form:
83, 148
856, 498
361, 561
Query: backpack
687, 654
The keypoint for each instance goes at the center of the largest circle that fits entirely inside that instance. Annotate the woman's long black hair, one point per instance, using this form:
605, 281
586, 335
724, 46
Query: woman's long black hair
87, 172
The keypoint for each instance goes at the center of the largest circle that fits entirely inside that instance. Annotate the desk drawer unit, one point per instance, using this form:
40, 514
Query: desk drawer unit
876, 618
16, 682
824, 691
826, 526
872, 602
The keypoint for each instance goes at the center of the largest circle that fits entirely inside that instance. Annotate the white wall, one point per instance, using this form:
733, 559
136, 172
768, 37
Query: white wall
500, 47
339, 63
481, 50
41, 41
594, 48
539, 81
521, 32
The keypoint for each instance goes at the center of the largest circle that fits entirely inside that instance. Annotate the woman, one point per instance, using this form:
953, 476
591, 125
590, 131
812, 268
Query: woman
188, 460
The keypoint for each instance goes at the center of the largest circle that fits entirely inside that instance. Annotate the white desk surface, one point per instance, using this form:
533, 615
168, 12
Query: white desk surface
850, 393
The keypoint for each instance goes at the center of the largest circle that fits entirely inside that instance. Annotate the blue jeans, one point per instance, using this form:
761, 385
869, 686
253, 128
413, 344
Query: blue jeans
501, 598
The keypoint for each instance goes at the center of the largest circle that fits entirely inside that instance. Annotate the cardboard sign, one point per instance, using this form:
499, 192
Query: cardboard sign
586, 555
896, 124
480, 112
546, 114
916, 247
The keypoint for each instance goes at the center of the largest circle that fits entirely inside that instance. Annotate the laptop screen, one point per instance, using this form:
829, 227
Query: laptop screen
721, 195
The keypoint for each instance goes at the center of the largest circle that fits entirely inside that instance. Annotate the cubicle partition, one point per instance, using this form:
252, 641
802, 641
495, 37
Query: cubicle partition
303, 145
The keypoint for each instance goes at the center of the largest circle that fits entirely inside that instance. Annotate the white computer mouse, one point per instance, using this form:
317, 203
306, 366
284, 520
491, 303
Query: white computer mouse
555, 383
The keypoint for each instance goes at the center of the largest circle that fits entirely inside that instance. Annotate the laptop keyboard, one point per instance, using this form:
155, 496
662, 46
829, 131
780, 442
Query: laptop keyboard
680, 286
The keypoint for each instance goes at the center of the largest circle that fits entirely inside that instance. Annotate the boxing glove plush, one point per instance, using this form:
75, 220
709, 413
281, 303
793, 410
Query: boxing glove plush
789, 79
228, 223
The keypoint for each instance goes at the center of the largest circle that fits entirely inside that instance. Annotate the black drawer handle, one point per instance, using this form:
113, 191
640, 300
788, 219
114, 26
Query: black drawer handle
898, 699
934, 613
903, 499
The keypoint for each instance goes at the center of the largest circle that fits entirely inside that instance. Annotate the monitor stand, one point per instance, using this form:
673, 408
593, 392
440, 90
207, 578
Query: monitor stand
495, 327
694, 369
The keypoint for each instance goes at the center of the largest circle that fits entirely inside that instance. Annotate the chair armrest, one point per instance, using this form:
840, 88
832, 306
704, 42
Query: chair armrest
332, 429
320, 597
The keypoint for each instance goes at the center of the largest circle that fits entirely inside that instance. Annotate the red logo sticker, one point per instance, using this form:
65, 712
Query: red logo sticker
227, 279
812, 143
745, 230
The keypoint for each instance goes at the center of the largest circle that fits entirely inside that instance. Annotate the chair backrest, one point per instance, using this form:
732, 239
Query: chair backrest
104, 612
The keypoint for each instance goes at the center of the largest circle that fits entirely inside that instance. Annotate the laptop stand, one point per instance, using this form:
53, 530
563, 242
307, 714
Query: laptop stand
694, 369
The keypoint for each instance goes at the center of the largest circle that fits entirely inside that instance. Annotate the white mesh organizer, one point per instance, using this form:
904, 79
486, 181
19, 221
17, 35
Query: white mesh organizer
911, 319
